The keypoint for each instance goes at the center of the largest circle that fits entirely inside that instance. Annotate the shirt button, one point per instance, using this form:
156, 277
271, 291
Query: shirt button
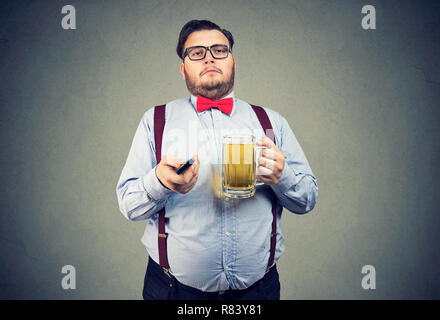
228, 234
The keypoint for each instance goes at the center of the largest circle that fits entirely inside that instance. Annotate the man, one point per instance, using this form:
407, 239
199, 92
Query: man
213, 247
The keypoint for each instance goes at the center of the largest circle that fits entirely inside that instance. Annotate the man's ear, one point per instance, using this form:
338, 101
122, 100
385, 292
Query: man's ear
182, 70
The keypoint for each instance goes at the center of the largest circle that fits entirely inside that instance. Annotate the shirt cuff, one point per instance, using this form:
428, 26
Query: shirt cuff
287, 180
154, 187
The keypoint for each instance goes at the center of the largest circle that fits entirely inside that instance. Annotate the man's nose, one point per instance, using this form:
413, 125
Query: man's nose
209, 57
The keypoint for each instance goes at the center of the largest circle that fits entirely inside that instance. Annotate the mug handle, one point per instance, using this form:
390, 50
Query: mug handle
258, 182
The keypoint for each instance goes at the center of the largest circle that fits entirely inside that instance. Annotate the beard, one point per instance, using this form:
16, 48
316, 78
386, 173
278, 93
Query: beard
214, 89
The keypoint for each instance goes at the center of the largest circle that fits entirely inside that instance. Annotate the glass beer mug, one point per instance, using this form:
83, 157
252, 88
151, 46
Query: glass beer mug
239, 164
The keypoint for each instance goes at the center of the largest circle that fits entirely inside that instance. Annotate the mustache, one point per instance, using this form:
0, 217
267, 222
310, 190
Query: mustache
209, 69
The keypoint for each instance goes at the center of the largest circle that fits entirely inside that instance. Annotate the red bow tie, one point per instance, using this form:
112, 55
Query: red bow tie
224, 105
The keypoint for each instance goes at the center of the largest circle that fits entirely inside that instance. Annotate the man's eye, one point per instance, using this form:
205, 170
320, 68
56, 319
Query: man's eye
196, 52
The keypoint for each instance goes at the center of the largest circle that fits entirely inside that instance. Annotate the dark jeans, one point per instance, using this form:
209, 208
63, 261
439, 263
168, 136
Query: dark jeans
158, 286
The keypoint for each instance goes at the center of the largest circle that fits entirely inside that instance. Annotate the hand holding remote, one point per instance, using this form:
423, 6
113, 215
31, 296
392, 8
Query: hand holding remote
166, 172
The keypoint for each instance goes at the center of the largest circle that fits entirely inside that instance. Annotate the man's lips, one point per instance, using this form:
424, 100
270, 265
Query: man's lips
211, 71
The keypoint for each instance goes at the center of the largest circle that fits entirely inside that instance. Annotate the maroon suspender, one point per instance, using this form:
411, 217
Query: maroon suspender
268, 131
159, 124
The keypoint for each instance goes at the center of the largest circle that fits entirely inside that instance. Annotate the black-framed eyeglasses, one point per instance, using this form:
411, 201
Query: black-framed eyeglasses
218, 51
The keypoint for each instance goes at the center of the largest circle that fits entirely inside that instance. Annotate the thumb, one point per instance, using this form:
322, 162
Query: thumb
173, 161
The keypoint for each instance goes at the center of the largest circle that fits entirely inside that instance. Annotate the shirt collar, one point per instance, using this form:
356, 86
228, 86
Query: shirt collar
193, 100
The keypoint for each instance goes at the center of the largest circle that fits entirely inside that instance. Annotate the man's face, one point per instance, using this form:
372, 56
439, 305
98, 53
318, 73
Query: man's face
209, 77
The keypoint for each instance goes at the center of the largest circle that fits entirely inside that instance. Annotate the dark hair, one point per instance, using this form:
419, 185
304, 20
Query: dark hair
197, 25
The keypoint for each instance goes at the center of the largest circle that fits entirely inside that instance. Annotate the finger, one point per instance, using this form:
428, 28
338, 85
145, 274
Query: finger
188, 175
265, 179
269, 153
180, 179
183, 179
263, 171
172, 161
193, 181
196, 164
265, 141
187, 187
193, 170
267, 163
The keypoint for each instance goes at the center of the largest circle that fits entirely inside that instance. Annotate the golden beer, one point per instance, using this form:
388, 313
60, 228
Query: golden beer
238, 166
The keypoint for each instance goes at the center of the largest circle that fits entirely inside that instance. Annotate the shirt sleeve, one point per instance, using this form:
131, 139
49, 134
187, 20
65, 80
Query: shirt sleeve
297, 189
140, 193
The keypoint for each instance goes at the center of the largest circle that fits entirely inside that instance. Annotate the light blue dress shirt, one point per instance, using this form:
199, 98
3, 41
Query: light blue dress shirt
214, 244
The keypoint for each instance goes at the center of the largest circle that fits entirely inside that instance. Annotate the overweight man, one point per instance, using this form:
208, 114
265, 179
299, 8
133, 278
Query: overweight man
202, 244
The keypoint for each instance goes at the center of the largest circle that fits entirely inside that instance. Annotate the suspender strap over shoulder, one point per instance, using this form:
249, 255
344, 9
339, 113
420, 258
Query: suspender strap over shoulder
268, 131
159, 124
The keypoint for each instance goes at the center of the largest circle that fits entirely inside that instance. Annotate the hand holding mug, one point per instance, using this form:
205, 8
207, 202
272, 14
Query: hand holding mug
270, 163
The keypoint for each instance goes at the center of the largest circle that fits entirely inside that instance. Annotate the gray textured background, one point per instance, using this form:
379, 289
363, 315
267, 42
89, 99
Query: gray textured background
363, 104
